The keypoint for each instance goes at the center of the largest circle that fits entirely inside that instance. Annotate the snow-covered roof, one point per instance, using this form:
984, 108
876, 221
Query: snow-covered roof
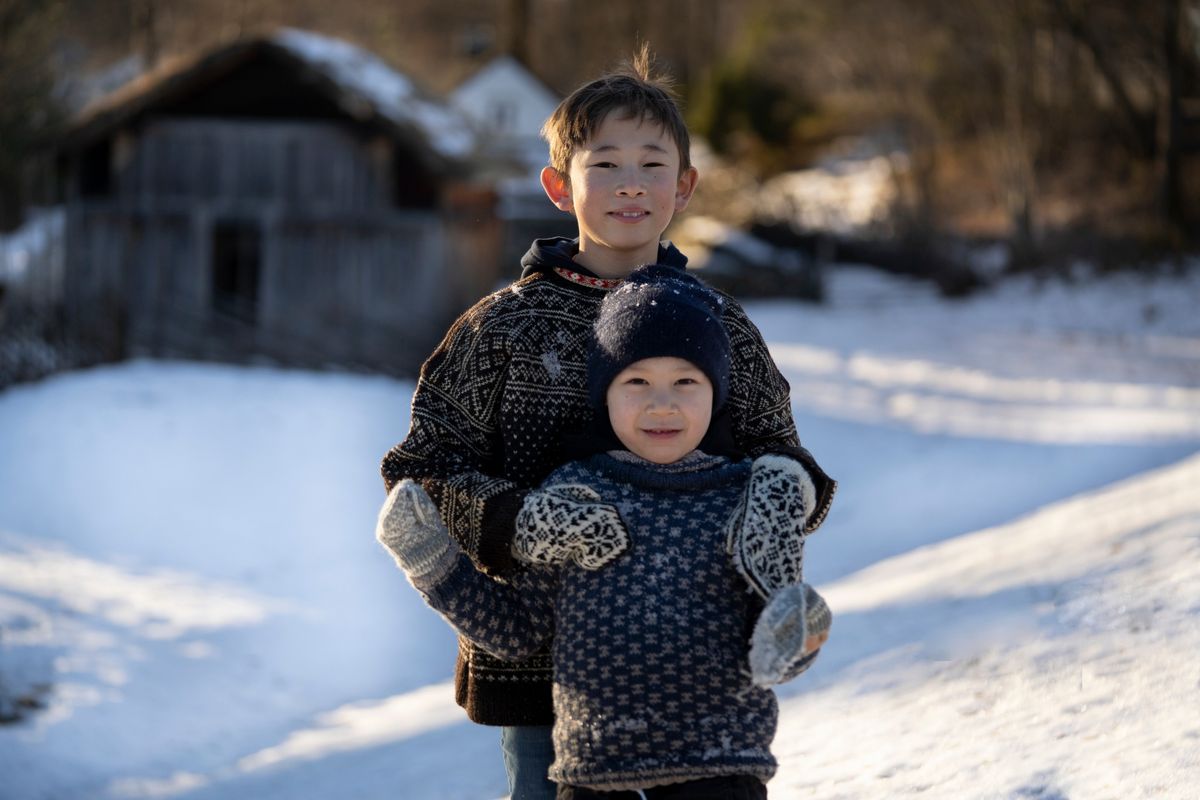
360, 83
508, 105
392, 94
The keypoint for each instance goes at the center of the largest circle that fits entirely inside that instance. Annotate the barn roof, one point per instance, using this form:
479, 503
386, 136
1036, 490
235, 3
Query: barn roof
360, 84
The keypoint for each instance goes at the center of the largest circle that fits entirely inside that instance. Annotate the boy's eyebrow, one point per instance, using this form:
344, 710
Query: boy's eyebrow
607, 148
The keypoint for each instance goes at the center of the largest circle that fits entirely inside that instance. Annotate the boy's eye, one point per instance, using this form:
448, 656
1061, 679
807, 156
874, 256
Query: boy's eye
604, 164
655, 164
635, 382
686, 381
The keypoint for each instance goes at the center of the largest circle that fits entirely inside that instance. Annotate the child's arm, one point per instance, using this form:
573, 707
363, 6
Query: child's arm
760, 409
766, 531
452, 446
511, 623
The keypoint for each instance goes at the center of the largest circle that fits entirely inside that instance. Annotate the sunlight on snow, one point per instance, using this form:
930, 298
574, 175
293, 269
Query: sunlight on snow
351, 727
940, 399
159, 604
1052, 657
1030, 550
364, 724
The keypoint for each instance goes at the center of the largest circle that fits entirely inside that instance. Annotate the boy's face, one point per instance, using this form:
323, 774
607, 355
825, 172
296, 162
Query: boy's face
660, 408
623, 186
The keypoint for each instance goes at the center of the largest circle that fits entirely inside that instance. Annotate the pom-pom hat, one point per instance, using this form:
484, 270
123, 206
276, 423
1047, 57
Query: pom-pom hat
659, 311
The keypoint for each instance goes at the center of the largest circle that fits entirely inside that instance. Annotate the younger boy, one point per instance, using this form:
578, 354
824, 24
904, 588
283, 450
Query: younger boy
505, 391
648, 611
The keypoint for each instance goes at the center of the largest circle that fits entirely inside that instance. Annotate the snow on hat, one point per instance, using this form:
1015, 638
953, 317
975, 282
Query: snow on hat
659, 311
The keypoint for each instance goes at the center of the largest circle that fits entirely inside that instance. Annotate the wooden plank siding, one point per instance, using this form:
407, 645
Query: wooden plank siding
312, 168
342, 276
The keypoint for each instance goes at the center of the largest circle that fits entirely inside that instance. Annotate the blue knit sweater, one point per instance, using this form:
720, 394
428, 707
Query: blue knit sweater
651, 682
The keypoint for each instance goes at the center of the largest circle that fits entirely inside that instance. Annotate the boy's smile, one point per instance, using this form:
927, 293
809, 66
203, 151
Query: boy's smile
660, 407
624, 186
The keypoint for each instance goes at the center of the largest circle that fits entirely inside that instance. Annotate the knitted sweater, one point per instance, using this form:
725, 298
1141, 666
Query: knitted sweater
495, 404
651, 682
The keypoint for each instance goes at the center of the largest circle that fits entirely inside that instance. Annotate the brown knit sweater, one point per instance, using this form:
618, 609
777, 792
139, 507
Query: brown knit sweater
493, 410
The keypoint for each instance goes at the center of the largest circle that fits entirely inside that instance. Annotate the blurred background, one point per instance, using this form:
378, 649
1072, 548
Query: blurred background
332, 163
230, 231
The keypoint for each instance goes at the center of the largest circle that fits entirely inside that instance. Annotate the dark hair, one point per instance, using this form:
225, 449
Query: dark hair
632, 88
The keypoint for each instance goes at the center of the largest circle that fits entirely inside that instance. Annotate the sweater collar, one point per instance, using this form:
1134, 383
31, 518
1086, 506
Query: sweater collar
697, 470
558, 253
694, 461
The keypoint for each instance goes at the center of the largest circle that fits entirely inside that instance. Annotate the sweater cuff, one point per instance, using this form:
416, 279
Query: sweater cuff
437, 569
497, 531
825, 486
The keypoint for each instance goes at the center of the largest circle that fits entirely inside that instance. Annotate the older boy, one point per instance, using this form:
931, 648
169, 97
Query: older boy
651, 691
502, 394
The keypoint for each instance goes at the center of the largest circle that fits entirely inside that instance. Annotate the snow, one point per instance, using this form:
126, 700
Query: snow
190, 586
393, 94
31, 244
846, 195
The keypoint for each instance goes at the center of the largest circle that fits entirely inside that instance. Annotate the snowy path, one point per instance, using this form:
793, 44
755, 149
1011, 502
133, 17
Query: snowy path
186, 556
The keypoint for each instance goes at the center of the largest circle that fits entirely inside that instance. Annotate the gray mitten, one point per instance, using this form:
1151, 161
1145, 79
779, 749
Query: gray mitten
765, 534
412, 531
777, 645
566, 523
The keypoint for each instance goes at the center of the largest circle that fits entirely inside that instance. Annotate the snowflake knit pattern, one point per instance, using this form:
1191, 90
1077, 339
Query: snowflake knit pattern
651, 683
492, 409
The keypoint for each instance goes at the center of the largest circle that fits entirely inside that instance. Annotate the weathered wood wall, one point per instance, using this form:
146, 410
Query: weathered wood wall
344, 276
315, 167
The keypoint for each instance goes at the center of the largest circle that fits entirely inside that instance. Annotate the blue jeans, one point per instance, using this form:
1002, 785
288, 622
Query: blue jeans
528, 751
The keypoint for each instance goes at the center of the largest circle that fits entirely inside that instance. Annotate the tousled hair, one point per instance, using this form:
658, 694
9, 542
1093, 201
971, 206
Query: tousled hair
633, 88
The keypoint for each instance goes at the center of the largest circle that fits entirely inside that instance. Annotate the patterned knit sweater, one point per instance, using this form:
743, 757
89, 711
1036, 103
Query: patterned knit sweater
651, 682
493, 408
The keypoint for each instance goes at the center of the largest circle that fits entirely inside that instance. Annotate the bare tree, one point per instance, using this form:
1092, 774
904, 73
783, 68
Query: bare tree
28, 110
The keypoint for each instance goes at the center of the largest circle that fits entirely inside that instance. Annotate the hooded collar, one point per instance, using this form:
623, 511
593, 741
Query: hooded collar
545, 255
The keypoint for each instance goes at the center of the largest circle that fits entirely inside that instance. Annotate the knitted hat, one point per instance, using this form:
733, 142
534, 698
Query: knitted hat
659, 311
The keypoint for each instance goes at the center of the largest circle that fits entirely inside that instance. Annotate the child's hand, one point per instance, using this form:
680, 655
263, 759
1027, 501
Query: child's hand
766, 531
569, 523
792, 627
412, 531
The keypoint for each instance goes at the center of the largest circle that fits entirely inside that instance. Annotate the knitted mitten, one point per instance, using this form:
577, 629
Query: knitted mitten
792, 615
767, 528
412, 531
569, 523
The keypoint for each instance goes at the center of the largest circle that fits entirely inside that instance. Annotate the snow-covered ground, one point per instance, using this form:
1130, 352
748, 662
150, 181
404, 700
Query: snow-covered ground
190, 586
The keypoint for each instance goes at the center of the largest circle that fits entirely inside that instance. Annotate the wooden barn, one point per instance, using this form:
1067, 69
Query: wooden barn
289, 197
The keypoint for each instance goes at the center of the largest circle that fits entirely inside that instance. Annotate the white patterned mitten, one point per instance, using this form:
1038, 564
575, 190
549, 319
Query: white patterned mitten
569, 522
412, 531
792, 616
766, 531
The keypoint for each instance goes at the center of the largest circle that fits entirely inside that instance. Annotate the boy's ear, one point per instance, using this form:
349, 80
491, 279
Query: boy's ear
557, 188
685, 188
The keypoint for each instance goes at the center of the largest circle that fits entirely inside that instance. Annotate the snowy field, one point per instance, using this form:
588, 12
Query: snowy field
191, 590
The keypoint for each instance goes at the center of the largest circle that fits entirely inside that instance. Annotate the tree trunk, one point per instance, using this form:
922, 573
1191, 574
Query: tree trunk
1140, 129
518, 30
1172, 188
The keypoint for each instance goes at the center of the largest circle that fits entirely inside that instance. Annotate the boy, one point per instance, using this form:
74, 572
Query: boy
502, 394
647, 610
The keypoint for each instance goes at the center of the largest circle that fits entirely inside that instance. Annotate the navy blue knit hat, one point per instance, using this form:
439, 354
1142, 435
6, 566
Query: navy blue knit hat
659, 311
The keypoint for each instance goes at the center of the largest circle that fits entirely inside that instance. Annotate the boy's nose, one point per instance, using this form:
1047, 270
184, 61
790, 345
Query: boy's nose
631, 184
661, 403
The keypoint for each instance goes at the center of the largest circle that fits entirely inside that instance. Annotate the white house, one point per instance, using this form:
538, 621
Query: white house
507, 105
